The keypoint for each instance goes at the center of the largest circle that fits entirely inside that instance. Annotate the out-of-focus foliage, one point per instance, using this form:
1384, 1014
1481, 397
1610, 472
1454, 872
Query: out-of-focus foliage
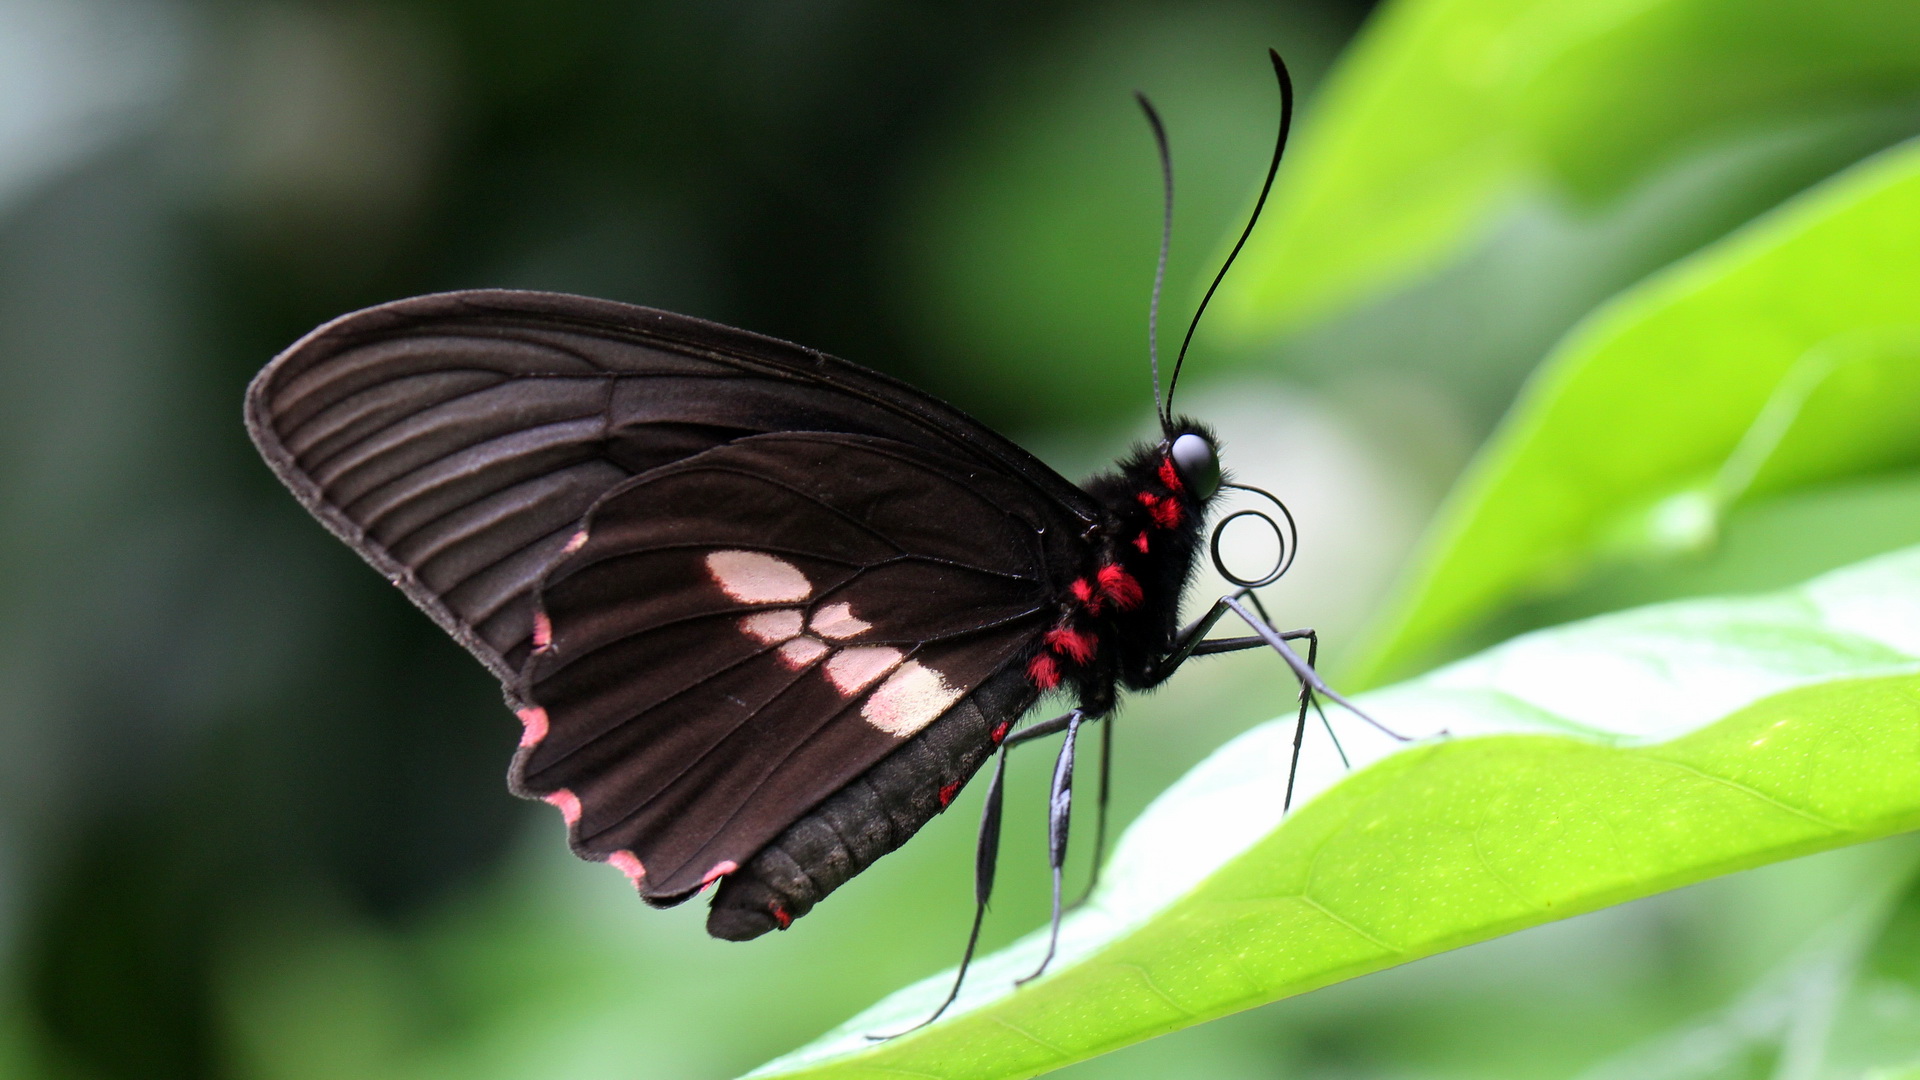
1778, 726
1032, 234
1784, 357
1845, 1004
1449, 111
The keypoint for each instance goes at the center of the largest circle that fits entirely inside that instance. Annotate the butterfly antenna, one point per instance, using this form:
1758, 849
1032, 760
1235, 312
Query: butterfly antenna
1279, 147
1166, 239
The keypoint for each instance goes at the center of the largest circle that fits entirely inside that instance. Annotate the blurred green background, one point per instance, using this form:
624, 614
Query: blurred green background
252, 819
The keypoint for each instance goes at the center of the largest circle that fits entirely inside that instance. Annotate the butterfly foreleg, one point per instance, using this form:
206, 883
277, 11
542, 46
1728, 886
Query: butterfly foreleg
987, 854
1310, 679
1192, 642
1307, 700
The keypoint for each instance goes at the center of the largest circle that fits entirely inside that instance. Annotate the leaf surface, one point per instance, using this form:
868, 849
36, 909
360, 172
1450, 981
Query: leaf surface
1607, 760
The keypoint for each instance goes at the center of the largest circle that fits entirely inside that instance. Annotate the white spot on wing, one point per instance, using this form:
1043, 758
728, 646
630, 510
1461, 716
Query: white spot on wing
768, 627
836, 621
852, 669
909, 700
754, 577
802, 651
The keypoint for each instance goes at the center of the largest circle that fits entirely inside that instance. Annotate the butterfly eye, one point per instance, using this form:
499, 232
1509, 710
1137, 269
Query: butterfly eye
1197, 464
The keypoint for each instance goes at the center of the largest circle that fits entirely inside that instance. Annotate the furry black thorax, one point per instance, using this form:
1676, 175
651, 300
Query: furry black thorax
1120, 617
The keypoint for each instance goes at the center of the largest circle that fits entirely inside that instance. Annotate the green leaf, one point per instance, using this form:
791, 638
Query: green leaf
1447, 110
1786, 355
1790, 723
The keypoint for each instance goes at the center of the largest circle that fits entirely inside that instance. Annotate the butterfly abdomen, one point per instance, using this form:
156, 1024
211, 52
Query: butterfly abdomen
876, 813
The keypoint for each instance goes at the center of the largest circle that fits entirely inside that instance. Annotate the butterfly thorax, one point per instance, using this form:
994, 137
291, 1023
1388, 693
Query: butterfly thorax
1118, 618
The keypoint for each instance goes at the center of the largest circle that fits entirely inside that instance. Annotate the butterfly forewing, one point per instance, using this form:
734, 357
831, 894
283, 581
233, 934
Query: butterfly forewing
456, 440
734, 637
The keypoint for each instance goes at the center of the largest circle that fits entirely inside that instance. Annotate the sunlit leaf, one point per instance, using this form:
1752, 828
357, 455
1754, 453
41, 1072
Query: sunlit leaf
1448, 109
1791, 723
1785, 355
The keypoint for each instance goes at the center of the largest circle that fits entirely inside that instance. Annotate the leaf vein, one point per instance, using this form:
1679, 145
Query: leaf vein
1028, 1035
1147, 977
1328, 912
1486, 864
1755, 792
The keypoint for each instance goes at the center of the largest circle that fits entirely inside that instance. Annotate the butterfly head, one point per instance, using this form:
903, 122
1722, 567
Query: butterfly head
1197, 462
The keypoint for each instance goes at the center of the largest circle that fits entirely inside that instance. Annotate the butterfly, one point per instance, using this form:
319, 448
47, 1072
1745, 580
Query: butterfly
761, 612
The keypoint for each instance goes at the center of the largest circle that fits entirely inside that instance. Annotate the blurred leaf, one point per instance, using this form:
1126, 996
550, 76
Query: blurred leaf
1029, 243
1875, 1029
1837, 412
1782, 356
1446, 109
1847, 1004
1796, 719
1767, 544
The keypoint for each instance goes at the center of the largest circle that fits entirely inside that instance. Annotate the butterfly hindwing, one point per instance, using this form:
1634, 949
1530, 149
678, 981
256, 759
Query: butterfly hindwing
456, 440
734, 637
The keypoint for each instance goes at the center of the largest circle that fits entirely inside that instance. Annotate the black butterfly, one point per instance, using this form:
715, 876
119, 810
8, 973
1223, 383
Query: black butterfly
762, 612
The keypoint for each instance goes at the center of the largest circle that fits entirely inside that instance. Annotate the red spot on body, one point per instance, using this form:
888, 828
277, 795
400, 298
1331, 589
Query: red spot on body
1120, 587
1141, 543
542, 631
1000, 732
1170, 476
720, 870
1072, 643
533, 726
1083, 592
948, 792
1044, 671
1166, 513
780, 916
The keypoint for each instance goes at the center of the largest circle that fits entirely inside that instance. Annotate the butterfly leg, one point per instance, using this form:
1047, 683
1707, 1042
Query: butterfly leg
987, 855
1059, 813
1302, 670
1312, 638
1307, 698
1100, 812
1192, 642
